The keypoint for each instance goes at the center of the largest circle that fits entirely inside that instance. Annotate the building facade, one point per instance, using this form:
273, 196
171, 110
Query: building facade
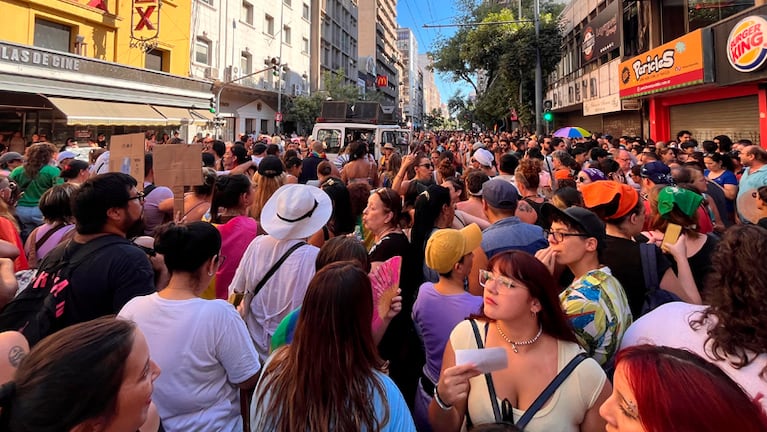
78, 68
411, 80
237, 45
334, 35
378, 48
431, 98
653, 68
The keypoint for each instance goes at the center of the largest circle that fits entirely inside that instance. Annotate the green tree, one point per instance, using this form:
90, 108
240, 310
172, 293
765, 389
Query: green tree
305, 109
498, 59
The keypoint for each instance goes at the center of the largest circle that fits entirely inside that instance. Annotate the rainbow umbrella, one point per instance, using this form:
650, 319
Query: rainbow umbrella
572, 132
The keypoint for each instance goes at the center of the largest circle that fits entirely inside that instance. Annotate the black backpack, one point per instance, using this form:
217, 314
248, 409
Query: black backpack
35, 311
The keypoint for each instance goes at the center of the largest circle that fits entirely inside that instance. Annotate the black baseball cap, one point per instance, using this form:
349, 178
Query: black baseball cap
584, 220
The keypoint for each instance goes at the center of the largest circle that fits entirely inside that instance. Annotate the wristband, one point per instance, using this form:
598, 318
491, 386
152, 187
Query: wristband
440, 402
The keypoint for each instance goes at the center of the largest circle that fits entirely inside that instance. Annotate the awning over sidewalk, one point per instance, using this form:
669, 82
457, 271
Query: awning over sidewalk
80, 112
181, 116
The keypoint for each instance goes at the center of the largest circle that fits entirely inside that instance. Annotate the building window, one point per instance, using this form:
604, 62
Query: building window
246, 64
269, 25
286, 34
52, 35
702, 13
202, 51
306, 12
305, 45
288, 3
208, 2
154, 60
247, 13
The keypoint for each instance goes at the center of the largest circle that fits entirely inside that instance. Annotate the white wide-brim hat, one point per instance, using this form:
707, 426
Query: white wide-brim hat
296, 211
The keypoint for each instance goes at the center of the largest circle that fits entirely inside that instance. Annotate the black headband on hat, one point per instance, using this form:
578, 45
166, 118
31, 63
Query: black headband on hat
306, 215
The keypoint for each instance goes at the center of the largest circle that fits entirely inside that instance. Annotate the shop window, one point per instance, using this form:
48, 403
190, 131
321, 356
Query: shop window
202, 51
155, 60
706, 12
269, 25
52, 35
247, 13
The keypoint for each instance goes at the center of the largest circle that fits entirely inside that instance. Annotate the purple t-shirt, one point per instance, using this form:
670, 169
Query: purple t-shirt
435, 315
153, 217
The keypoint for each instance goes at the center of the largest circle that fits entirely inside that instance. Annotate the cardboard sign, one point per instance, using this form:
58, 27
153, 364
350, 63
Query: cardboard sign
176, 166
126, 155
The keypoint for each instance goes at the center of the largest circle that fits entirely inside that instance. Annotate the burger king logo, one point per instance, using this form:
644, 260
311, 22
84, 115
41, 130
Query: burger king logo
747, 44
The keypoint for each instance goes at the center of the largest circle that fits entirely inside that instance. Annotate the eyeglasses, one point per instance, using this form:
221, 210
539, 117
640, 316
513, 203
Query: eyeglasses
427, 165
486, 276
559, 236
139, 196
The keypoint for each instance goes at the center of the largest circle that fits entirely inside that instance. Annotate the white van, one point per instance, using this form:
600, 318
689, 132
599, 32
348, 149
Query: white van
342, 123
337, 136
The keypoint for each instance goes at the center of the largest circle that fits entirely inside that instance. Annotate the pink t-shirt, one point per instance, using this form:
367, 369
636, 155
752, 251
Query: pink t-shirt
236, 235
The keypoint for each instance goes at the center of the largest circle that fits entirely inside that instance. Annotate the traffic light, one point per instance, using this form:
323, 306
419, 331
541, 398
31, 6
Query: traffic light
213, 105
548, 115
275, 62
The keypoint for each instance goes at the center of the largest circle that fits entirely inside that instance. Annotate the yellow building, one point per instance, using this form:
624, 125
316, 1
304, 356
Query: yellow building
104, 34
58, 56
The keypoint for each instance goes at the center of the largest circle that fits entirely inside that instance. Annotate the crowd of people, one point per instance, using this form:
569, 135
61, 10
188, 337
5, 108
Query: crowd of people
618, 280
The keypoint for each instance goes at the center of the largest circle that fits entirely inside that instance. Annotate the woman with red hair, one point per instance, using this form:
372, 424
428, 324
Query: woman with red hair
660, 389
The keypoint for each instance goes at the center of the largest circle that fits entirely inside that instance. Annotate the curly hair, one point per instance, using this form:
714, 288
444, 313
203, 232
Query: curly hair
38, 156
528, 173
735, 290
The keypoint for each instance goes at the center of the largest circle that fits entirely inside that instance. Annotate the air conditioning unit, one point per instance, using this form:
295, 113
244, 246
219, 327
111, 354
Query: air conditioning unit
211, 73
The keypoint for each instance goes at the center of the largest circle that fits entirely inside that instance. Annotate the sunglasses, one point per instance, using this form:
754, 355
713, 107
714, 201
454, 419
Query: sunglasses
427, 165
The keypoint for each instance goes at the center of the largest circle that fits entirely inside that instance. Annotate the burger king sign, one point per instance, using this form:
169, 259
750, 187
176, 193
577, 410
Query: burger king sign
747, 44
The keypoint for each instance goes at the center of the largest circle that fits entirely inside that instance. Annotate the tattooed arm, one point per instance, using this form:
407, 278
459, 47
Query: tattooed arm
13, 348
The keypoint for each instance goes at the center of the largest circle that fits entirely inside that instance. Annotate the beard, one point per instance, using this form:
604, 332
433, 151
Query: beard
134, 228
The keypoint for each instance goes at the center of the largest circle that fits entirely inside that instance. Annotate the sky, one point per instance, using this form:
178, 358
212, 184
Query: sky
414, 14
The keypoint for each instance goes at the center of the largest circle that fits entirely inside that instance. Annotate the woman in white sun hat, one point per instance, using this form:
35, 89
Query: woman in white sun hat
276, 269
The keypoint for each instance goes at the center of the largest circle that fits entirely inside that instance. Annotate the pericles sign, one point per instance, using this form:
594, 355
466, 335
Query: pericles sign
747, 44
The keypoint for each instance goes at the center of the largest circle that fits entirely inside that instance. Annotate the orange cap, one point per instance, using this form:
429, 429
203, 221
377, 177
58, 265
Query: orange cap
606, 192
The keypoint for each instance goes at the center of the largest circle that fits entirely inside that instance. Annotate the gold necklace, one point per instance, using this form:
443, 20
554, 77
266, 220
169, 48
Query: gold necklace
514, 344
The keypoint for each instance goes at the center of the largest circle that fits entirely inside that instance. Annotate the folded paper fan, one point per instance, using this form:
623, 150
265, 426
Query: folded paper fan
385, 282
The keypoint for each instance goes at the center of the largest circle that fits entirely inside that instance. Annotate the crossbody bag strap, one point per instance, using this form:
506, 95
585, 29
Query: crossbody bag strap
41, 241
488, 377
276, 267
549, 390
248, 296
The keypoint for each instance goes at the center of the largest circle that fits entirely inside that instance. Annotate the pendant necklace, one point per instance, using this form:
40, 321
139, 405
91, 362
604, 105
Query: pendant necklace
514, 344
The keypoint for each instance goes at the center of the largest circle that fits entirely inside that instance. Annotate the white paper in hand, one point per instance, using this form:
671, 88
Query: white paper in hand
486, 359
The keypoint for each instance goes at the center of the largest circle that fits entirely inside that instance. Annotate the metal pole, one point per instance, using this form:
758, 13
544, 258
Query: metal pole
538, 71
279, 68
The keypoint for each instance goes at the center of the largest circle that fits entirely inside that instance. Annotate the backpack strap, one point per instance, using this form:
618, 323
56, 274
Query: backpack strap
149, 189
550, 389
649, 266
41, 241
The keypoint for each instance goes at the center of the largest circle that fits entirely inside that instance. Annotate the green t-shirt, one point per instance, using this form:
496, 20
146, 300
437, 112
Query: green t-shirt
34, 189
